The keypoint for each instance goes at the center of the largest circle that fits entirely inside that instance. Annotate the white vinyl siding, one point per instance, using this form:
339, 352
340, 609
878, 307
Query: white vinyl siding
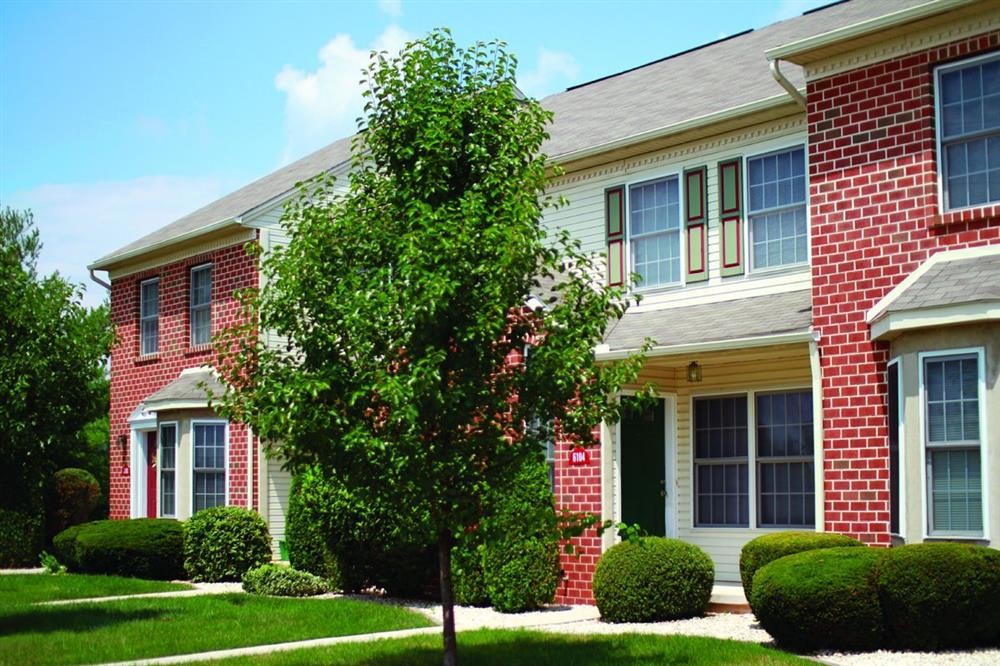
968, 96
201, 305
149, 316
777, 209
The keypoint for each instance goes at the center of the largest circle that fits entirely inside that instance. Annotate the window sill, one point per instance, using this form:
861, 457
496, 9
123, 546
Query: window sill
198, 350
970, 214
147, 359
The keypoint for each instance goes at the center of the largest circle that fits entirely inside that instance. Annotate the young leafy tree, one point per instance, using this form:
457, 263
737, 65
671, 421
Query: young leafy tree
403, 302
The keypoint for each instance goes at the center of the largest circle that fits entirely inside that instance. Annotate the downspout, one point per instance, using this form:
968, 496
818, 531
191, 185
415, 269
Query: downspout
99, 280
786, 84
818, 453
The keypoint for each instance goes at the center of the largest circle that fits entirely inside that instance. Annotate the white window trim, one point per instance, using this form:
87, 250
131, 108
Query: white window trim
941, 189
159, 468
682, 245
209, 265
749, 268
669, 462
197, 422
142, 286
751, 394
901, 425
984, 467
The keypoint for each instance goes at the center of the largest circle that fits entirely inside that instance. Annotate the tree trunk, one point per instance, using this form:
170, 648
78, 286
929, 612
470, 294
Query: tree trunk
447, 599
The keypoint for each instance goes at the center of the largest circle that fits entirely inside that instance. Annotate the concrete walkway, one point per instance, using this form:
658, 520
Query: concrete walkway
200, 589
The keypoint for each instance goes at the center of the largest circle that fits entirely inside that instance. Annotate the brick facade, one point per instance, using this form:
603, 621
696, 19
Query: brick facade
133, 378
578, 489
874, 219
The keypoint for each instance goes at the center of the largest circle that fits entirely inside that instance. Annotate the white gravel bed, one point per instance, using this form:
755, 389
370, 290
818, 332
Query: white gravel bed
9, 572
737, 627
982, 657
471, 617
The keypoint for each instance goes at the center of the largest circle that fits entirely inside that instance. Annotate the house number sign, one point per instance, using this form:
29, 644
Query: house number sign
579, 456
125, 470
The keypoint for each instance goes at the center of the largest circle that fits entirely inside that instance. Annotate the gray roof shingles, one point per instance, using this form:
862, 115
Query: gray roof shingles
690, 85
757, 316
954, 282
187, 387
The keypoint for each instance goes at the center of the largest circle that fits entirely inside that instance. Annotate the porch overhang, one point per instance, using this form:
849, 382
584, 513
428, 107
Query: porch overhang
189, 391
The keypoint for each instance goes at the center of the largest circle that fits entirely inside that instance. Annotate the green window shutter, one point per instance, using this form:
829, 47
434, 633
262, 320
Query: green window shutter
614, 216
731, 217
695, 207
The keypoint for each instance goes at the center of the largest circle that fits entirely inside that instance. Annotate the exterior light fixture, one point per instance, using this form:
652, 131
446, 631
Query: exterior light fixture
694, 372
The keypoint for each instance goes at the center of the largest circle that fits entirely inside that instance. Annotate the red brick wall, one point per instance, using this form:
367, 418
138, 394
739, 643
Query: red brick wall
578, 489
134, 378
874, 219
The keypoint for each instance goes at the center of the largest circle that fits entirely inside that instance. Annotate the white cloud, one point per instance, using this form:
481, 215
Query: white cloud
393, 8
553, 71
80, 222
323, 106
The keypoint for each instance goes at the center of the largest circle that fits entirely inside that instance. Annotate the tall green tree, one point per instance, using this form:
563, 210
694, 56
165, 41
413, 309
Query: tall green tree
53, 354
403, 302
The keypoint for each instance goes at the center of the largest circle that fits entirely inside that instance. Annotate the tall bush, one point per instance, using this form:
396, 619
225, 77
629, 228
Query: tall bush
305, 528
73, 495
224, 542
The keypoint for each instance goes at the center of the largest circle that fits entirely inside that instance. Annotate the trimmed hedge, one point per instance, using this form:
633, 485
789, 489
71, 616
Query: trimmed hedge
651, 579
821, 599
308, 549
940, 595
21, 537
143, 548
224, 542
73, 496
281, 581
768, 548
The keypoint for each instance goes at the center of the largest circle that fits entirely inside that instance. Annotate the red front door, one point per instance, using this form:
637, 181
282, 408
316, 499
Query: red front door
151, 474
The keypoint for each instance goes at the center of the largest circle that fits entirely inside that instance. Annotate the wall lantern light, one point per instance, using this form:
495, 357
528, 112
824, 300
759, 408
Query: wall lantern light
694, 372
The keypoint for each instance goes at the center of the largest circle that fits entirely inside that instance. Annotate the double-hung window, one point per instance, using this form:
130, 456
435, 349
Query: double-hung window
168, 469
209, 465
201, 305
952, 435
780, 451
968, 96
149, 316
655, 232
777, 209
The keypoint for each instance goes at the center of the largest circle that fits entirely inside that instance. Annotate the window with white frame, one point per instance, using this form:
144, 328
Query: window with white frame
778, 220
952, 440
655, 232
781, 452
149, 316
201, 305
968, 96
168, 469
209, 465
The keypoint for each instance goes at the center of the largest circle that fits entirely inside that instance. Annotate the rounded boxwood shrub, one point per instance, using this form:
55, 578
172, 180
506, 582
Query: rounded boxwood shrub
224, 542
940, 595
768, 548
821, 599
21, 536
144, 548
652, 578
73, 495
281, 581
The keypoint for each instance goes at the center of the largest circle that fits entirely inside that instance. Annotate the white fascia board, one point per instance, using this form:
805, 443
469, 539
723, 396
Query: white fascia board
604, 353
908, 320
164, 405
106, 262
878, 310
863, 28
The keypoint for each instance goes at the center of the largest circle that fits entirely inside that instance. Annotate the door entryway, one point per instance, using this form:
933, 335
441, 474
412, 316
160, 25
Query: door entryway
151, 474
646, 479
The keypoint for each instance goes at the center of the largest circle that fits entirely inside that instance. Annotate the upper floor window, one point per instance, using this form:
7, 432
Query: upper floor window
655, 232
149, 317
201, 305
777, 209
968, 97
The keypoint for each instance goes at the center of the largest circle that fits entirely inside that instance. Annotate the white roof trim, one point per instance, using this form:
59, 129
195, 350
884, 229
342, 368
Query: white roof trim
164, 405
604, 352
105, 262
879, 309
949, 315
909, 15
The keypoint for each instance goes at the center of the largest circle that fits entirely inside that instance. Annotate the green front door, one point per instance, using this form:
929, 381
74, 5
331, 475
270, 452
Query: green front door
643, 468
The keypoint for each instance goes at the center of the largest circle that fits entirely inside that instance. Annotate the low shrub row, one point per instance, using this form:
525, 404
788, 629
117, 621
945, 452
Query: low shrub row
215, 544
919, 597
281, 581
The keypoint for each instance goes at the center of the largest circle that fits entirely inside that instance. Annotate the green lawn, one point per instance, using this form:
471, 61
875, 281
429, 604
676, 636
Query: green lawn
31, 588
134, 629
530, 648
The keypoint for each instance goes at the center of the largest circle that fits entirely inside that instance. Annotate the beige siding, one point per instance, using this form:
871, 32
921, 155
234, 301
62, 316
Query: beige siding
738, 371
583, 216
278, 485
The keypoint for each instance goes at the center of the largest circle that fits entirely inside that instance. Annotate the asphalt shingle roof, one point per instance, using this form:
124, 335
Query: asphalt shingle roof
714, 322
954, 282
187, 387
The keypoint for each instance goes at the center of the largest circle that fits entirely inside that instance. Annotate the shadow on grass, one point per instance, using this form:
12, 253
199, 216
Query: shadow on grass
75, 618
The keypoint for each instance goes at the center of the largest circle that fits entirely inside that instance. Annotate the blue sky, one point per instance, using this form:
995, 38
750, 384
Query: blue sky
117, 118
